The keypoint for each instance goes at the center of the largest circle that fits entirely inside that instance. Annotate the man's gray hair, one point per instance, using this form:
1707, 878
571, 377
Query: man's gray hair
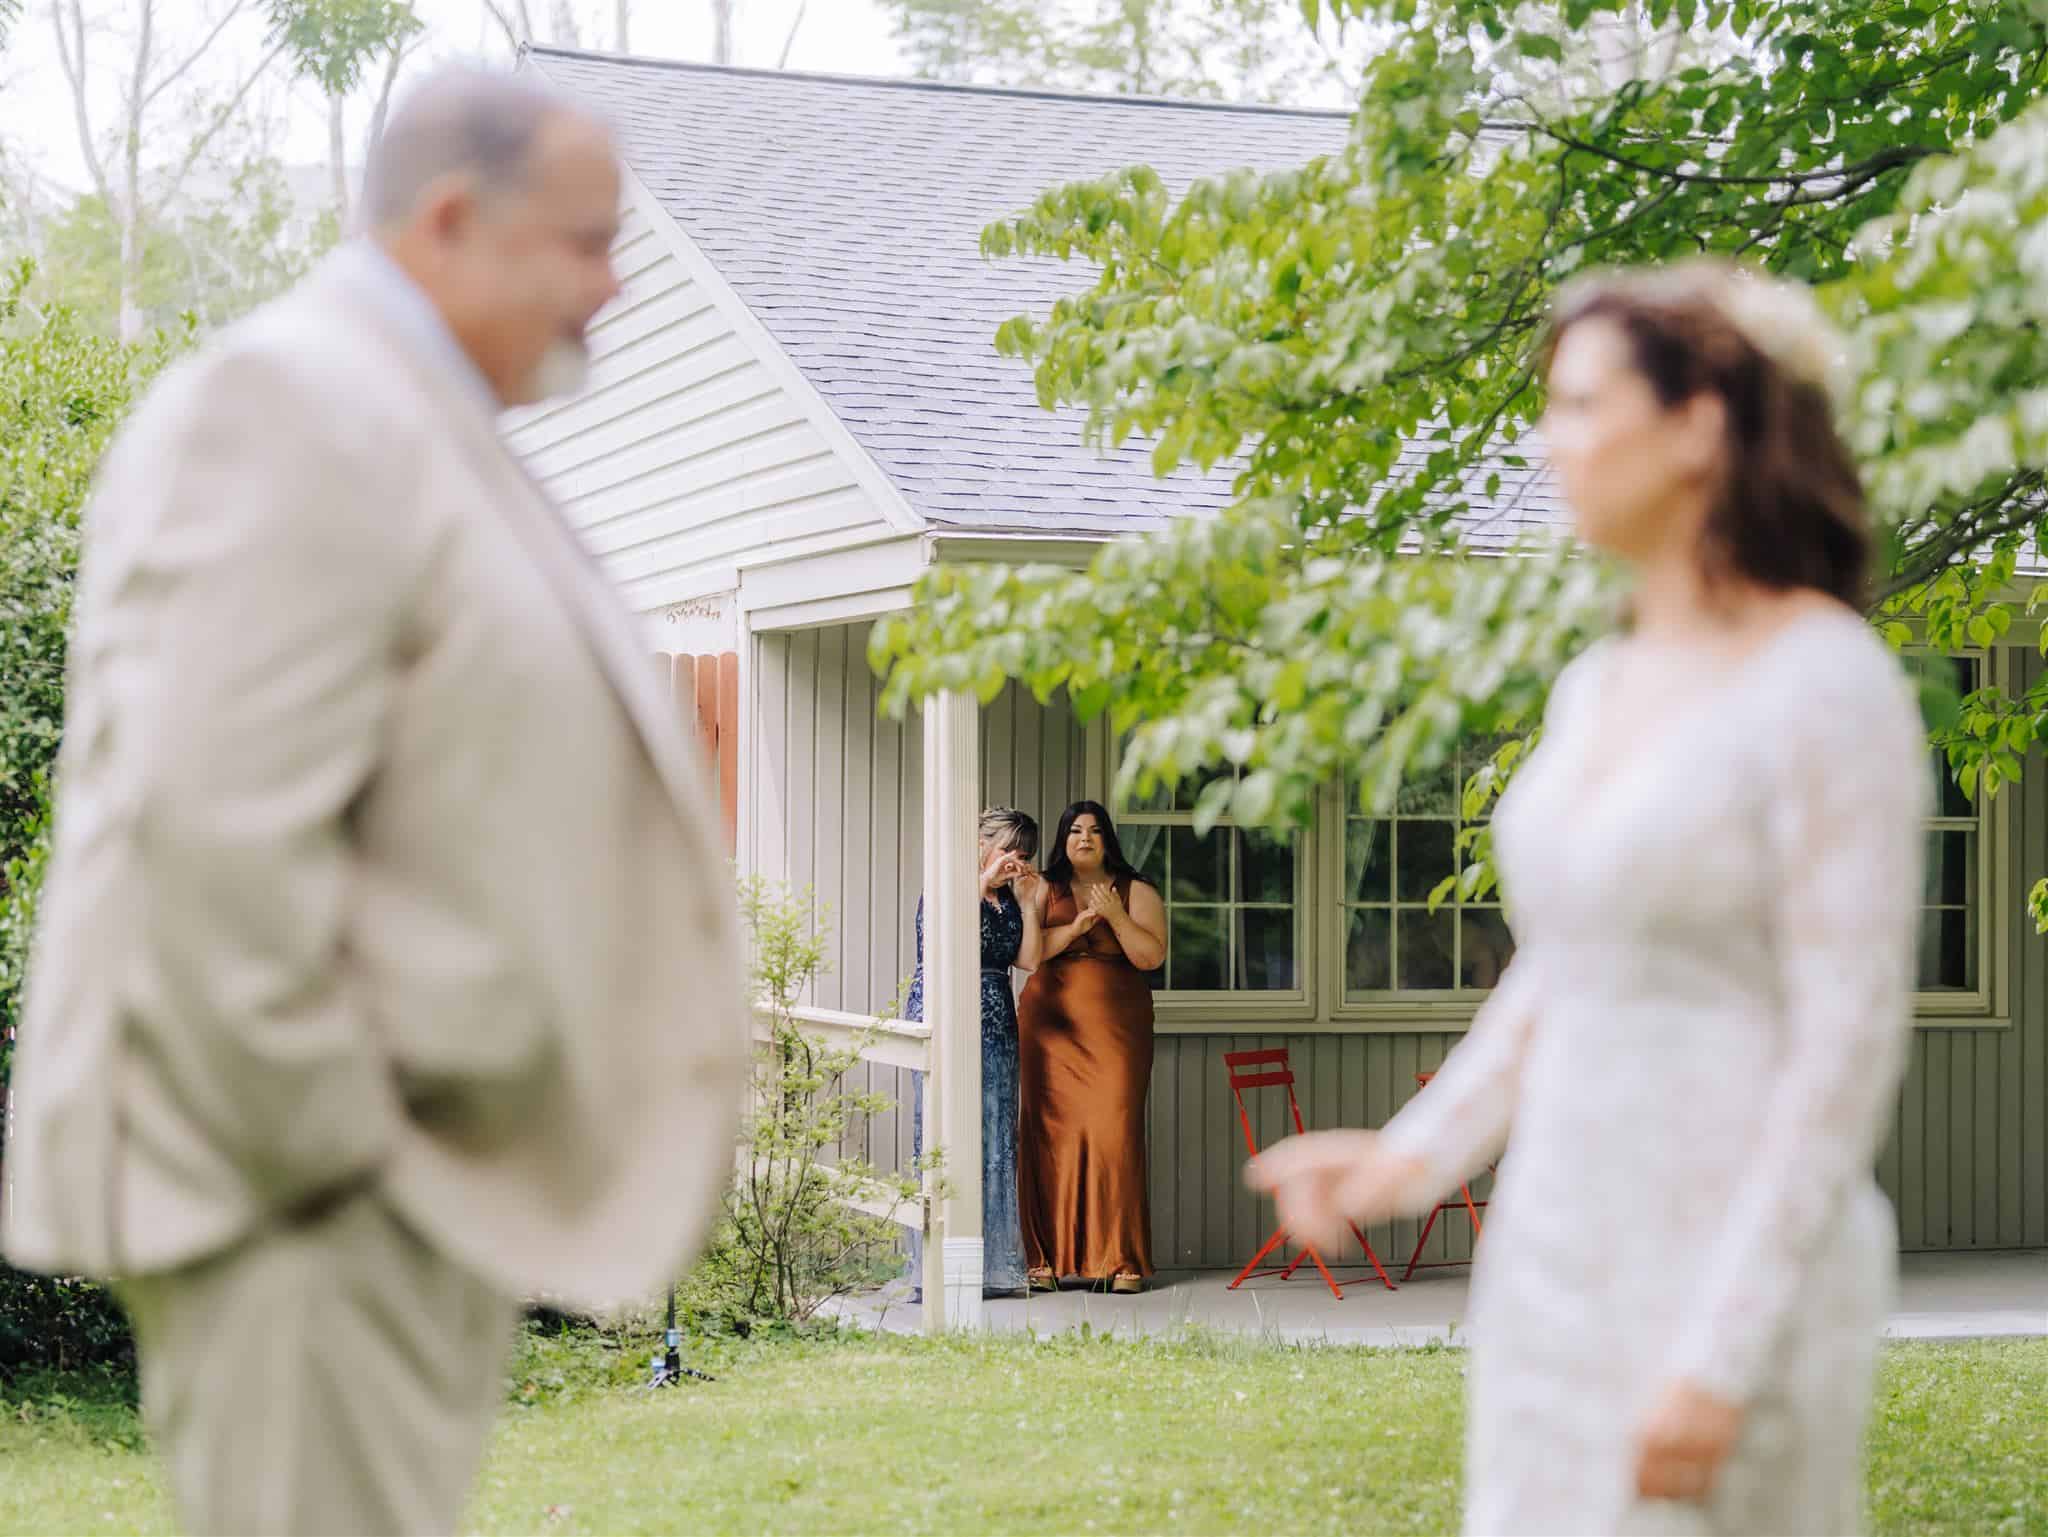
461, 119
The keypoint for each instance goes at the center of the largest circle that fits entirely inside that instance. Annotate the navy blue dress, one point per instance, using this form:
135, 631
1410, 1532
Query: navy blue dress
1002, 936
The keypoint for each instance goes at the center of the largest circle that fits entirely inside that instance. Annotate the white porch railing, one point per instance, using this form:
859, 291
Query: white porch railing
950, 1057
897, 1042
890, 1043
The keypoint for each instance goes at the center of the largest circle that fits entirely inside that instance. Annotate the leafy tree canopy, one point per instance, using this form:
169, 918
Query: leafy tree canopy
1362, 329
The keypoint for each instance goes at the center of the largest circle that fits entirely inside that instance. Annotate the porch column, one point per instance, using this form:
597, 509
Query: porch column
952, 1007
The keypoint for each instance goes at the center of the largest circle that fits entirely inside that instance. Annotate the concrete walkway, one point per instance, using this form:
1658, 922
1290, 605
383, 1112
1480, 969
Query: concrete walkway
1942, 1296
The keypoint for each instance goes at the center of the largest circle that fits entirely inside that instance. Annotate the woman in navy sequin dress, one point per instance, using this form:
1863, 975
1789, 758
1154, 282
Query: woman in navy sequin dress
1010, 900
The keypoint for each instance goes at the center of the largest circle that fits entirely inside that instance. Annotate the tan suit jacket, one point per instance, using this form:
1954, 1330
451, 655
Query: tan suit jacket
379, 857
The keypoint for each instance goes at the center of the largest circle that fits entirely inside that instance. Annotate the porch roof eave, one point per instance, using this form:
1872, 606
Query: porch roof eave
1015, 547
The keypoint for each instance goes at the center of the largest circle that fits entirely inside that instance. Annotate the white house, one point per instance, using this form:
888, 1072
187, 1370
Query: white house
797, 408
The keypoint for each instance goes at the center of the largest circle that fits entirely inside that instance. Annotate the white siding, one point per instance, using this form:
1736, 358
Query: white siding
836, 806
686, 460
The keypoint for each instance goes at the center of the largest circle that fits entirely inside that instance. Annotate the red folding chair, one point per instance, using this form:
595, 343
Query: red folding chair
1471, 1210
1269, 1070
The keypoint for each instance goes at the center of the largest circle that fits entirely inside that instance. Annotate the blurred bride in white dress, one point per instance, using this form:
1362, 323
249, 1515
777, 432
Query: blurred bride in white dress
1713, 860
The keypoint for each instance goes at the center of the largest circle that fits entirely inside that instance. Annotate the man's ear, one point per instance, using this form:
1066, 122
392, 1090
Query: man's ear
447, 208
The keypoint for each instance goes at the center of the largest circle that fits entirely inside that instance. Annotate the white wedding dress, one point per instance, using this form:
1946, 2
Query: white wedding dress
1691, 1063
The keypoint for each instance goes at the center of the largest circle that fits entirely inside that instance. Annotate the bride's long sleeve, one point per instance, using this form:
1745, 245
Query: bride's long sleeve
1847, 840
1459, 1122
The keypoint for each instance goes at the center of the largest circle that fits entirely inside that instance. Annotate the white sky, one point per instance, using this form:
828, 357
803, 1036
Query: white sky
36, 118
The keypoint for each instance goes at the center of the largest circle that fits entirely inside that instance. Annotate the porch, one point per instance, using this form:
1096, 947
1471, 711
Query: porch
1941, 1296
868, 812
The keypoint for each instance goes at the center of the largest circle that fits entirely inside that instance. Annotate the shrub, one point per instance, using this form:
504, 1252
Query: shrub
804, 1222
62, 1325
63, 391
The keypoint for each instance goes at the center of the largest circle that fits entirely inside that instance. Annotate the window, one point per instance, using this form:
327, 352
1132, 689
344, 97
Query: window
1393, 943
1233, 898
1951, 938
1333, 924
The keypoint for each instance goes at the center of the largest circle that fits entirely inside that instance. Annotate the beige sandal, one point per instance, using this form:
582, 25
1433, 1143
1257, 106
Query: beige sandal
1126, 1284
1042, 1281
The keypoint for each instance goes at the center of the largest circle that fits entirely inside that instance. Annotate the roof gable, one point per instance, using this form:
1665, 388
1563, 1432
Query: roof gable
847, 215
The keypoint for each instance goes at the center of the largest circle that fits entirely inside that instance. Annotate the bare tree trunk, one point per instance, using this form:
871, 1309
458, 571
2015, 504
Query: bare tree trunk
789, 42
337, 155
567, 34
721, 31
122, 192
622, 26
130, 212
393, 63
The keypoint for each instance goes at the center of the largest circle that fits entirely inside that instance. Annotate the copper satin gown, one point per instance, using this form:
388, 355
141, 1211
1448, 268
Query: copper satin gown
1084, 1035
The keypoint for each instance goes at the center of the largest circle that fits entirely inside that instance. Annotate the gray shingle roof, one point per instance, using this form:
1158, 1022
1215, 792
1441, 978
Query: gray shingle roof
847, 215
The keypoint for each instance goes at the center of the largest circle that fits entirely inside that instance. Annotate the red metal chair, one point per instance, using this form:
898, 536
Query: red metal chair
1268, 1069
1471, 1210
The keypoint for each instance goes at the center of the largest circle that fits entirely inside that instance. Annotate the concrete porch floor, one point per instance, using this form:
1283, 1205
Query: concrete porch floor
1942, 1296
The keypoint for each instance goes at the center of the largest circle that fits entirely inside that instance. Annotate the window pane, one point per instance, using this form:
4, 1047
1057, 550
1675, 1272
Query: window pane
1189, 790
1161, 799
1484, 946
1265, 950
1425, 853
1959, 672
1265, 867
1429, 795
1194, 949
1475, 755
1951, 869
1197, 873
1948, 951
1369, 951
1145, 847
1368, 861
1423, 942
1949, 798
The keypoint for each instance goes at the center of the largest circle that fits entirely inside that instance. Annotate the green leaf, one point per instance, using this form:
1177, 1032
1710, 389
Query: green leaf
1213, 804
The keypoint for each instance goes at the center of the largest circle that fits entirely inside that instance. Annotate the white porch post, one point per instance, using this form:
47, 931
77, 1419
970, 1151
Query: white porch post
953, 1266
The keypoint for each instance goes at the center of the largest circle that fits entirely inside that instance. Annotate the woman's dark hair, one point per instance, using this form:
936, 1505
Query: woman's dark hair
1790, 511
1059, 869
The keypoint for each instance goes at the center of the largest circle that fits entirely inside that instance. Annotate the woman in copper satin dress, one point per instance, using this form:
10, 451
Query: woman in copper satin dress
1084, 1028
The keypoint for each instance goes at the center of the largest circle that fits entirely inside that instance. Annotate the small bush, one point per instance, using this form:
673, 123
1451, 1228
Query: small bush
60, 1325
790, 1237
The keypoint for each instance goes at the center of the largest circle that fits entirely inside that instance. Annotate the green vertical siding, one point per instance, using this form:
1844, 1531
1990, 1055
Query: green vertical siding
1966, 1165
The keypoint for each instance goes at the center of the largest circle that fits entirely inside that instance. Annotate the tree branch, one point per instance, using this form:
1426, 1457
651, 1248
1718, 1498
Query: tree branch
512, 37
1851, 176
2011, 509
74, 75
172, 77
393, 63
220, 121
789, 42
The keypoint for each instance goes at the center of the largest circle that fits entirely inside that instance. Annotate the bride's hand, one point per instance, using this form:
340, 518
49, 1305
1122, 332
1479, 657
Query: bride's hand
1688, 1438
1326, 1180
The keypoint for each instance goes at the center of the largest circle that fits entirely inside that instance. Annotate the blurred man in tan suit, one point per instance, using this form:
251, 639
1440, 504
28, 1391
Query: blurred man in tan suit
389, 968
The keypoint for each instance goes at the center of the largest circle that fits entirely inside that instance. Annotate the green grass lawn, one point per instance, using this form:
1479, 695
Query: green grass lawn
1069, 1435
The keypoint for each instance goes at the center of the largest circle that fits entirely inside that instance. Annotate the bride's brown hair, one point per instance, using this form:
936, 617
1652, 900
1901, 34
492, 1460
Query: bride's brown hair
1790, 512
